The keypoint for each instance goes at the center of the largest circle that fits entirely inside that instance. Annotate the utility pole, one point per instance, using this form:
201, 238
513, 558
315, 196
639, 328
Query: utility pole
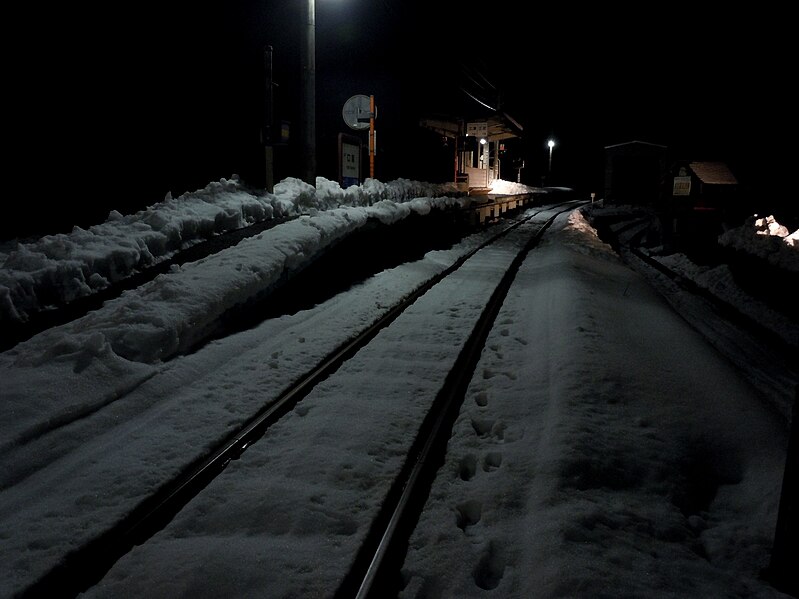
372, 137
309, 94
269, 121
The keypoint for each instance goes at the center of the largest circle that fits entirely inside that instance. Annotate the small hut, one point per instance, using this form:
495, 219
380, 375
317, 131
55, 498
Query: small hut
703, 195
703, 185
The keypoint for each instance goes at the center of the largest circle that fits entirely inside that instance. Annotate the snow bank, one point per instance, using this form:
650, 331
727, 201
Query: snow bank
767, 239
58, 269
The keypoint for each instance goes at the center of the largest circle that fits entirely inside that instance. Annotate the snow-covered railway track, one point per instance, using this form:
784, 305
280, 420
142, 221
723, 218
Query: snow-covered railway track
376, 570
725, 308
84, 566
767, 356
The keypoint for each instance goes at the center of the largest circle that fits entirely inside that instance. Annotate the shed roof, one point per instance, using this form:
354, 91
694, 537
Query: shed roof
713, 173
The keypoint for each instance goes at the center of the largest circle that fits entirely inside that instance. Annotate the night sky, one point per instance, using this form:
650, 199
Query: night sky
111, 107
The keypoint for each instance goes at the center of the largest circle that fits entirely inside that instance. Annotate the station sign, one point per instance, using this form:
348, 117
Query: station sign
349, 150
477, 129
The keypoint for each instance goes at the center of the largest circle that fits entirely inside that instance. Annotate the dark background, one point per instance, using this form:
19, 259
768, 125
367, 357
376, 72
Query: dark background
109, 107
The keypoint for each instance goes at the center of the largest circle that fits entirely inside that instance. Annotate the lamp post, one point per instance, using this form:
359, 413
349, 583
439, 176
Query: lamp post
551, 145
309, 94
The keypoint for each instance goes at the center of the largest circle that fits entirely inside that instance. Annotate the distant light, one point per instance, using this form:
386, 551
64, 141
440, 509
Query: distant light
482, 140
551, 144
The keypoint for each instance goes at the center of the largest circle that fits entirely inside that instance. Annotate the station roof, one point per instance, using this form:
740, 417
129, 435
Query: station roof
499, 126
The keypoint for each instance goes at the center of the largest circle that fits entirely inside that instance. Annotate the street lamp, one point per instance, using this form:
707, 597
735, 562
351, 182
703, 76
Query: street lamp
551, 145
309, 94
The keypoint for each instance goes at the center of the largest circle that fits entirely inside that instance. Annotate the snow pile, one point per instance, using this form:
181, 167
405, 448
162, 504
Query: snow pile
57, 269
767, 239
137, 327
502, 187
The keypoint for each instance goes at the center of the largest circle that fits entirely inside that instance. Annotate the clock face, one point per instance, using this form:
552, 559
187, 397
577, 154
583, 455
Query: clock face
356, 112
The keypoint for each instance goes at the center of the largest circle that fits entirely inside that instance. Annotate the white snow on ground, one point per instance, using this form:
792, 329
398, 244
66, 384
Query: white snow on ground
604, 448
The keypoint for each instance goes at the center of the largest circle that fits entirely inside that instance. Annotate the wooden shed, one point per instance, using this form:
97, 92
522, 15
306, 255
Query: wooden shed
703, 195
703, 185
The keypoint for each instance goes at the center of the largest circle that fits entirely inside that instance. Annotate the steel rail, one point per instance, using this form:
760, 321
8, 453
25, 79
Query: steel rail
86, 565
375, 571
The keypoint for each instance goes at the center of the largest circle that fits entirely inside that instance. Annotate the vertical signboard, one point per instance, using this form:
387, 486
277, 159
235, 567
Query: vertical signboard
349, 160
